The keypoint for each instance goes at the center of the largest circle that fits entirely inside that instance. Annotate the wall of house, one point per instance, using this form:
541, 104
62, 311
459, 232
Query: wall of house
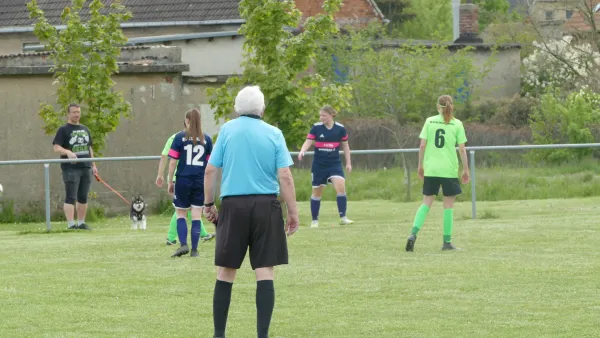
504, 78
12, 43
351, 12
218, 56
550, 16
159, 104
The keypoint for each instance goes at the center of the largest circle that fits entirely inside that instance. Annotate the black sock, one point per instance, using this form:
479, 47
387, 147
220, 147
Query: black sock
265, 302
221, 300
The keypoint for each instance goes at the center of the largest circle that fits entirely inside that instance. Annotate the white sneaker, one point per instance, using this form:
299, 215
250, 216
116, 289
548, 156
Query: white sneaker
345, 221
314, 224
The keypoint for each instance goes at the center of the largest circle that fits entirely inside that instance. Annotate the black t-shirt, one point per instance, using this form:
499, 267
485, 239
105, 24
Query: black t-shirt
76, 138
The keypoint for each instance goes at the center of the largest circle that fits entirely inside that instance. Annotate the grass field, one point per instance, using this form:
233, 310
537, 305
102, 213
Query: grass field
530, 268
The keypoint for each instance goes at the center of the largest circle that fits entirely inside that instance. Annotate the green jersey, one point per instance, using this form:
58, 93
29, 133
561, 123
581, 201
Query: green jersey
440, 159
165, 152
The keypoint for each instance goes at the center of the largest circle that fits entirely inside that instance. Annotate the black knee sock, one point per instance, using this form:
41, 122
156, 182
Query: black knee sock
221, 300
265, 302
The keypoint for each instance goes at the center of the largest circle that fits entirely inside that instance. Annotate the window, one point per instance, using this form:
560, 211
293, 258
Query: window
569, 14
549, 15
31, 47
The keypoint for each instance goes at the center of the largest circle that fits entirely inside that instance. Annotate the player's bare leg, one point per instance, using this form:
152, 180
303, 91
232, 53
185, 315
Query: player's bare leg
315, 205
69, 210
339, 184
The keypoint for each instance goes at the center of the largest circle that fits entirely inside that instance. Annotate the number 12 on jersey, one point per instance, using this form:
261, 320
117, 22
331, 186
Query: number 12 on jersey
194, 154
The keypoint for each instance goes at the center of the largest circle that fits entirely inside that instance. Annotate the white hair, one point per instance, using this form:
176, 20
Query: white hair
250, 100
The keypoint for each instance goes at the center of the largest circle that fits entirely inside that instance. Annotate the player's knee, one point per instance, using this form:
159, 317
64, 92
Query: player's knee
226, 274
265, 273
70, 199
70, 195
82, 198
428, 200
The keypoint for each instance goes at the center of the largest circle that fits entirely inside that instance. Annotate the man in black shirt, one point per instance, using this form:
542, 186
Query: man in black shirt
73, 140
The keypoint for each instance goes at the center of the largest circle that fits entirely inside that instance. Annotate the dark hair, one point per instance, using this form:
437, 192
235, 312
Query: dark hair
329, 110
445, 102
71, 105
194, 131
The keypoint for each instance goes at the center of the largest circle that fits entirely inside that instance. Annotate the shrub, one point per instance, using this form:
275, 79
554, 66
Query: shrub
515, 112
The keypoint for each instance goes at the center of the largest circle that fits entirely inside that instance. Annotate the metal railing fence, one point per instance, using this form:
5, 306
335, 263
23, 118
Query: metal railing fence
471, 150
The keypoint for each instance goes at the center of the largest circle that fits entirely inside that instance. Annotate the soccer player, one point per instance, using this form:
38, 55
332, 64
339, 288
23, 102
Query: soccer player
192, 148
172, 234
438, 166
327, 137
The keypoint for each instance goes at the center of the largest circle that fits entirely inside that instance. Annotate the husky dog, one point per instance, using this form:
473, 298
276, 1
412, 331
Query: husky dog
137, 213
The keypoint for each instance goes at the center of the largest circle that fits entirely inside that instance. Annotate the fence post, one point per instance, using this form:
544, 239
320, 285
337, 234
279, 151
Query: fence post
473, 193
47, 193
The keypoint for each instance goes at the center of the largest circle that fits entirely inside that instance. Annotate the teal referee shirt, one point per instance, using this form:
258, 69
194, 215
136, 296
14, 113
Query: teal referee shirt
250, 151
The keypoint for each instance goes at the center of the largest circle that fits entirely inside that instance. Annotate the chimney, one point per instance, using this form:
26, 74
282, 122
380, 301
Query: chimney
468, 24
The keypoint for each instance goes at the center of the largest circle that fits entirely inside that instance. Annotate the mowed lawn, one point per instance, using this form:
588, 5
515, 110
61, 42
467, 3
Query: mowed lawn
528, 269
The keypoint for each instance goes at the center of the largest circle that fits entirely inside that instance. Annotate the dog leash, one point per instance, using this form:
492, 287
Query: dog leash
109, 187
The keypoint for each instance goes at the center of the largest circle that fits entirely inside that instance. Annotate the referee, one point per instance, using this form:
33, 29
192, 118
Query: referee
253, 156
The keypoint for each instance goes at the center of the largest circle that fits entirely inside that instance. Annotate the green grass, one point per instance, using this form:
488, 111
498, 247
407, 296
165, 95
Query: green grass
504, 183
492, 184
529, 269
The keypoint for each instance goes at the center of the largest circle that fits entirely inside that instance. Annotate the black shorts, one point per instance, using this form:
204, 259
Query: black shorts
77, 184
450, 186
254, 222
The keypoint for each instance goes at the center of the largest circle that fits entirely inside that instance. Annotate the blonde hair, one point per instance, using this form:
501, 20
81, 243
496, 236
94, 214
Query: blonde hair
446, 107
329, 110
194, 131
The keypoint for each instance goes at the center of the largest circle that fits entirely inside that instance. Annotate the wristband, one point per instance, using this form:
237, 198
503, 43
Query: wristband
209, 204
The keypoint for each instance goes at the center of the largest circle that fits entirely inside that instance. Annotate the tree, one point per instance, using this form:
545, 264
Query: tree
571, 62
432, 20
561, 119
399, 81
395, 11
278, 61
494, 11
85, 58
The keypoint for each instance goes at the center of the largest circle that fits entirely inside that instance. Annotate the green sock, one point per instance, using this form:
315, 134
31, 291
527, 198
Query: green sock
420, 218
173, 228
448, 220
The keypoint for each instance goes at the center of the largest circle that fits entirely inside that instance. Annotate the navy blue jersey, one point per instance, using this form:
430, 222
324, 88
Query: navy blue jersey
192, 158
327, 143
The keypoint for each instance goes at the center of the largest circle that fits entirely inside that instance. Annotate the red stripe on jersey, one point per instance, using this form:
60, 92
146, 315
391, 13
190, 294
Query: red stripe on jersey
345, 138
330, 145
311, 137
207, 158
174, 154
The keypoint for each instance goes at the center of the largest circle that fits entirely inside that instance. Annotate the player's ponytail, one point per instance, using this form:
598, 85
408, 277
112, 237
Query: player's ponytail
446, 107
194, 130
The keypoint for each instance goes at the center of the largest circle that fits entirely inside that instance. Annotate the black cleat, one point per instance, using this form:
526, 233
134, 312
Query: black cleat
183, 250
194, 253
171, 242
449, 246
83, 226
410, 243
72, 227
207, 237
